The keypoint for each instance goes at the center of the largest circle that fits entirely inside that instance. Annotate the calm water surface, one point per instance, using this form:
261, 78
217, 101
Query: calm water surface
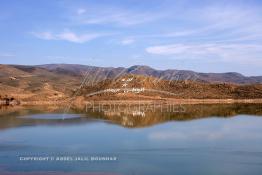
204, 139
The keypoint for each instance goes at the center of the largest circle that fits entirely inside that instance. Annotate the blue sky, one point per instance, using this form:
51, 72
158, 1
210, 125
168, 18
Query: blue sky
205, 36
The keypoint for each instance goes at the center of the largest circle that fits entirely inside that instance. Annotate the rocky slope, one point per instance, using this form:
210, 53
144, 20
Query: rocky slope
58, 82
133, 86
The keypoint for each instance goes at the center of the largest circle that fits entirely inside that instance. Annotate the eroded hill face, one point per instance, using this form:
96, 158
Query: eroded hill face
143, 87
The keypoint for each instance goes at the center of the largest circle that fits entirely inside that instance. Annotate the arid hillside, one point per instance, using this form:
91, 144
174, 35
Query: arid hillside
55, 83
144, 87
33, 83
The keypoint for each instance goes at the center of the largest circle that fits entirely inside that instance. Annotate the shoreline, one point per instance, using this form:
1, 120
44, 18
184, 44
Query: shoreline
135, 101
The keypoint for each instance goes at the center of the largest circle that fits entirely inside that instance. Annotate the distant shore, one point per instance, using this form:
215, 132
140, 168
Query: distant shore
135, 101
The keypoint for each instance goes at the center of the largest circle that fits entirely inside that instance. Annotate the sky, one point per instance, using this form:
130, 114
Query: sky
199, 35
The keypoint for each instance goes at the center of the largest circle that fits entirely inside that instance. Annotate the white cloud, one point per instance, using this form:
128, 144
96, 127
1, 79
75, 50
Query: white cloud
68, 36
7, 55
127, 41
137, 57
116, 16
226, 33
81, 11
214, 23
56, 57
220, 50
44, 35
230, 22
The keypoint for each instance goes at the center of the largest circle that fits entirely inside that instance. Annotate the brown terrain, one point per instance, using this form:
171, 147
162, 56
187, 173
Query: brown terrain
61, 83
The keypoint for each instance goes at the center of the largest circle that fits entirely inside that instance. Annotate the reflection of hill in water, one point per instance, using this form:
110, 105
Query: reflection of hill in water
127, 117
11, 117
147, 116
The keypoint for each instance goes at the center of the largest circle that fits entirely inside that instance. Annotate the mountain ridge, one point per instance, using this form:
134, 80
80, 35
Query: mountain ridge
168, 74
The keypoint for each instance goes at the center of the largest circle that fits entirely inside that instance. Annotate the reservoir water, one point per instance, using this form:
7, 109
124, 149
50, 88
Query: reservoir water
202, 139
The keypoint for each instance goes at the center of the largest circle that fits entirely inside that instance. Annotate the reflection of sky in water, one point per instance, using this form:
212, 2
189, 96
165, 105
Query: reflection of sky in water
207, 131
219, 131
51, 116
203, 145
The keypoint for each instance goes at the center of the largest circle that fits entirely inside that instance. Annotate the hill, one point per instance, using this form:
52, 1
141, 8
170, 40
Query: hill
101, 73
59, 82
133, 86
